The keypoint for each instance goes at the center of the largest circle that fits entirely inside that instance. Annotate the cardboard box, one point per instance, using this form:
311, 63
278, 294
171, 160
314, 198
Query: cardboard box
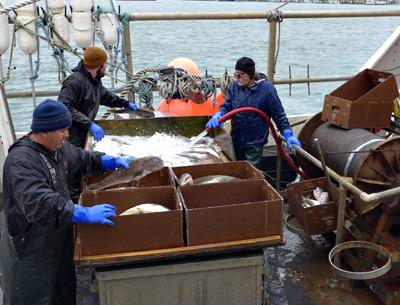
317, 219
365, 101
238, 169
134, 232
230, 211
162, 177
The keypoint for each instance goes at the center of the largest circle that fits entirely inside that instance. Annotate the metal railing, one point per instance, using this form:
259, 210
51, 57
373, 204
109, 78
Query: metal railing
272, 16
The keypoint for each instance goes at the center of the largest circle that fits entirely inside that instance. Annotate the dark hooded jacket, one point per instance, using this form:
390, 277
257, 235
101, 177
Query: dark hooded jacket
82, 94
249, 129
36, 247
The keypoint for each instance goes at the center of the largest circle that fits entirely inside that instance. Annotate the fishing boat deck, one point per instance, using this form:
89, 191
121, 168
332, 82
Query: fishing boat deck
297, 273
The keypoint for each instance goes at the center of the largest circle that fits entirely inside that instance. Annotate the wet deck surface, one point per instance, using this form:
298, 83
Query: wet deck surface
299, 273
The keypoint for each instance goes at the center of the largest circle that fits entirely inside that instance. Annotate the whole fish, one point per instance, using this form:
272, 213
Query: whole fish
144, 208
214, 179
138, 168
185, 179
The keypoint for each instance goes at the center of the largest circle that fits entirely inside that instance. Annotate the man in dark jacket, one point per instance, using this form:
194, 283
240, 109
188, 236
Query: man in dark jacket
249, 131
83, 92
36, 246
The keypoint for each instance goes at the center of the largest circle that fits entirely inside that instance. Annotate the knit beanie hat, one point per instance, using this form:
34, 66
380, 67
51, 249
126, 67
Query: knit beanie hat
50, 115
246, 65
94, 57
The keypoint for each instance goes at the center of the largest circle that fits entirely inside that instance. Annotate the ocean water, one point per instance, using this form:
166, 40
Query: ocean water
331, 47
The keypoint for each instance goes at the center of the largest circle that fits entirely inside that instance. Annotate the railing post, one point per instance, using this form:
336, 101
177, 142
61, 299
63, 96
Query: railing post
128, 51
271, 50
340, 220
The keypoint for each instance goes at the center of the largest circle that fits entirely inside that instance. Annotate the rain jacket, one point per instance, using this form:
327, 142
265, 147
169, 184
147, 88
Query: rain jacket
249, 129
83, 94
36, 245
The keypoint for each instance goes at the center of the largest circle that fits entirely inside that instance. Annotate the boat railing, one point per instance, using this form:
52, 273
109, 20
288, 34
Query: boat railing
274, 17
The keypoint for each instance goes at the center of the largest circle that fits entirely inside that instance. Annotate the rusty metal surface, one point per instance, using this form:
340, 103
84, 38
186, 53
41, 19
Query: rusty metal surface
374, 165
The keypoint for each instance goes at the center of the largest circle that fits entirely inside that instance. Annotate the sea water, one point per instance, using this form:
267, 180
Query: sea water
331, 47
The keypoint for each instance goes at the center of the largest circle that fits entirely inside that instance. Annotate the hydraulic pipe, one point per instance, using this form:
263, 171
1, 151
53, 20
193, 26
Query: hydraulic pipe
363, 195
266, 118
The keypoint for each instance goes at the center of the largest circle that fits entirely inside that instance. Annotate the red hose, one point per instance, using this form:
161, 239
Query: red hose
266, 118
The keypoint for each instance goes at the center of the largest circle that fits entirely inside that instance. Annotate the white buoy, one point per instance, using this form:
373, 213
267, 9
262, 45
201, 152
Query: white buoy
27, 42
109, 26
83, 28
81, 5
61, 25
4, 36
56, 6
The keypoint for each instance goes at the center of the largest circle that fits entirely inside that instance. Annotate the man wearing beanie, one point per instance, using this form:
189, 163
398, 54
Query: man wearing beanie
36, 245
83, 92
249, 131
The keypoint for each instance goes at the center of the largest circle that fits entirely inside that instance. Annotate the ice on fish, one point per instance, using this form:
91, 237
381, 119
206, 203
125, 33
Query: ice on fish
173, 150
138, 169
145, 208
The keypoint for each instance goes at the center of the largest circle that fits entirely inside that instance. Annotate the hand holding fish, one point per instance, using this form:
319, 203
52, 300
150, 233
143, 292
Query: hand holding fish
110, 163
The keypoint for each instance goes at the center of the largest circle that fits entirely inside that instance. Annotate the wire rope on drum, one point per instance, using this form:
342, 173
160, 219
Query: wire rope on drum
335, 139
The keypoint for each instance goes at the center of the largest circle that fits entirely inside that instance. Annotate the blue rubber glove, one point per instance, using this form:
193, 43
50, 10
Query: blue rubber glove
132, 106
96, 131
96, 214
213, 122
290, 138
110, 163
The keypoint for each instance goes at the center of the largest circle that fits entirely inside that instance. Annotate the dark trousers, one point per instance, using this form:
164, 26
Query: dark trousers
252, 154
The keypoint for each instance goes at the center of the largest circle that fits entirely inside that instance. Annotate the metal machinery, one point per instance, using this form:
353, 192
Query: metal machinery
373, 163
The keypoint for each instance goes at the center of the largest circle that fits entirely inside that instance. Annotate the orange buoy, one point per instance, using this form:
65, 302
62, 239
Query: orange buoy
186, 64
181, 107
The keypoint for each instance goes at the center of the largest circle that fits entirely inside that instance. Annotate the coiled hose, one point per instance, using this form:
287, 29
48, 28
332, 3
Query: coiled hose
267, 120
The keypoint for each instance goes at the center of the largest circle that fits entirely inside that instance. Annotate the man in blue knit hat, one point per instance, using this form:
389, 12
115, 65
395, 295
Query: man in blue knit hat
36, 246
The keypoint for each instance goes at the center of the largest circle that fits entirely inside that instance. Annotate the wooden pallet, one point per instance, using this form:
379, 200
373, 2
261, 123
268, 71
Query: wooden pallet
162, 254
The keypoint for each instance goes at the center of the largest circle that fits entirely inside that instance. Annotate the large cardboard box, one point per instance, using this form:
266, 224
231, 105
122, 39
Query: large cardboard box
317, 219
134, 232
230, 211
365, 101
238, 169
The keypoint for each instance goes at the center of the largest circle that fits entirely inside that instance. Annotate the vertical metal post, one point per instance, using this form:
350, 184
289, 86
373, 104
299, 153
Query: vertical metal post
270, 75
271, 51
340, 220
278, 169
32, 81
128, 51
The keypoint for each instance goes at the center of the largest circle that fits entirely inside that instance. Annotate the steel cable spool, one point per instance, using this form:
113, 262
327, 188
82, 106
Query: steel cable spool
372, 161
